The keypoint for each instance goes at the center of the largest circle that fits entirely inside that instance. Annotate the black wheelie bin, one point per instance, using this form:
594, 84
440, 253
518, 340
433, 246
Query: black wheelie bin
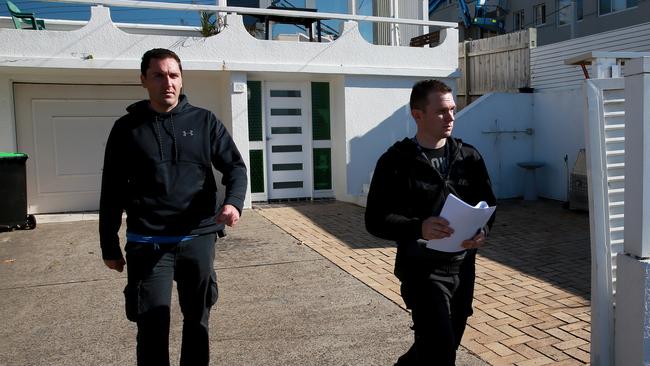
13, 193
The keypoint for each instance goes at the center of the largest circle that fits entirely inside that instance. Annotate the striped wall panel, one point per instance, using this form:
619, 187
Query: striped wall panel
548, 70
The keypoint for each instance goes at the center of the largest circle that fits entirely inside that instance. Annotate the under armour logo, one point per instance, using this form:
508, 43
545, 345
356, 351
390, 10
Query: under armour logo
188, 133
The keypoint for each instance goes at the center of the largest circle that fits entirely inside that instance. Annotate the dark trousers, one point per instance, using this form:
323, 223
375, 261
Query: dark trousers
151, 269
440, 305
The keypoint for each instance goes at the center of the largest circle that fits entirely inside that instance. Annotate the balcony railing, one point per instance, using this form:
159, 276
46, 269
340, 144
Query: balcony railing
393, 23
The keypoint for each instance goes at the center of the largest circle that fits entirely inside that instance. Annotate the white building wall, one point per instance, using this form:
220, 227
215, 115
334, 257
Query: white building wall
377, 115
371, 84
559, 131
101, 45
495, 124
203, 90
556, 120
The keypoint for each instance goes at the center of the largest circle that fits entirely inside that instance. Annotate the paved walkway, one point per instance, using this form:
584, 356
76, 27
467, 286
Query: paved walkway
532, 292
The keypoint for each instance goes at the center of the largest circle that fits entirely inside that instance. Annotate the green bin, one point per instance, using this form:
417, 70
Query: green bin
13, 192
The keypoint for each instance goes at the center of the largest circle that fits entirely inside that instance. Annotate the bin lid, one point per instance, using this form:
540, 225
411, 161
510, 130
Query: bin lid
8, 155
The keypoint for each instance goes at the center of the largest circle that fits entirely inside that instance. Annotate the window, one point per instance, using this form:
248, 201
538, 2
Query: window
610, 6
519, 20
579, 13
539, 13
563, 12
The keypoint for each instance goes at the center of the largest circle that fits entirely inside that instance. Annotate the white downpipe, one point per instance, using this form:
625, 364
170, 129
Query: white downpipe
352, 7
424, 8
220, 15
394, 28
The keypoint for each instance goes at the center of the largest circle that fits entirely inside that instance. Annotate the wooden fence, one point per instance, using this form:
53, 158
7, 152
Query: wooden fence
495, 64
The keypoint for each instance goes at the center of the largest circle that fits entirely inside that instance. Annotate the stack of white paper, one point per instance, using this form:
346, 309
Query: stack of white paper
464, 219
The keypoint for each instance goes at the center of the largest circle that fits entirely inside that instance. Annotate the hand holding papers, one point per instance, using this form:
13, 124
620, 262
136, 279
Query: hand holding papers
464, 219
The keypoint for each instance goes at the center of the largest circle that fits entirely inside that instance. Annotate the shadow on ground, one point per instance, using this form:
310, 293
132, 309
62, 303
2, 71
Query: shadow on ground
538, 238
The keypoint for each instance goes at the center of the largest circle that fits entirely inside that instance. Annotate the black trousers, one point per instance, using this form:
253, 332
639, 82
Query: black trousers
440, 305
151, 269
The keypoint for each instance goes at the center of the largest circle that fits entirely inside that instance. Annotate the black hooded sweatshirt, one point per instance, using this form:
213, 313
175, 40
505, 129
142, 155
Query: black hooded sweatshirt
158, 167
406, 189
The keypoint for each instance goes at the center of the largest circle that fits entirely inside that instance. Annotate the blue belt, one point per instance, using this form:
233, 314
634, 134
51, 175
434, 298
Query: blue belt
137, 238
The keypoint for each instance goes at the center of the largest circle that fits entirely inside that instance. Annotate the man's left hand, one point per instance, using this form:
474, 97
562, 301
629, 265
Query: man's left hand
229, 215
476, 242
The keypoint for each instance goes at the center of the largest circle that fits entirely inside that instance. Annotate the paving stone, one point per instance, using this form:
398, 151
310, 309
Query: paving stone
578, 354
560, 334
536, 362
531, 299
534, 332
574, 326
508, 360
574, 343
526, 351
517, 340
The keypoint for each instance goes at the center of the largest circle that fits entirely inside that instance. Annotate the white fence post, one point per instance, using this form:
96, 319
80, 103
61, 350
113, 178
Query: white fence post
632, 325
603, 201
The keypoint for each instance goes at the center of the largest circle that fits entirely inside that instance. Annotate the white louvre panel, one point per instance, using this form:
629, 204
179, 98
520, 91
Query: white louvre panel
605, 142
613, 104
547, 67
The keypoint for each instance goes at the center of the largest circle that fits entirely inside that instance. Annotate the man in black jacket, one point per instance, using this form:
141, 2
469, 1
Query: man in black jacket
158, 168
409, 186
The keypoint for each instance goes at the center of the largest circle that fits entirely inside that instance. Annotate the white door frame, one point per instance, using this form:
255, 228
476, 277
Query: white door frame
305, 106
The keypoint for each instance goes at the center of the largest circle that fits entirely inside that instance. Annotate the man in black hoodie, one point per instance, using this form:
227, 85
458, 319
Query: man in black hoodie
409, 187
158, 168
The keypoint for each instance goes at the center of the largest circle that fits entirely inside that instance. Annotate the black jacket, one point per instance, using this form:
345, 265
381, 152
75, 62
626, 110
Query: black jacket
406, 189
158, 167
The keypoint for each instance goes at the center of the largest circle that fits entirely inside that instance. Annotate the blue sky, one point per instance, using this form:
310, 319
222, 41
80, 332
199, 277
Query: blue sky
54, 10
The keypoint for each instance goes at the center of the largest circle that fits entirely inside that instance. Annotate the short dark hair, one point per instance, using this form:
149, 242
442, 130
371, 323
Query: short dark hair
422, 89
158, 54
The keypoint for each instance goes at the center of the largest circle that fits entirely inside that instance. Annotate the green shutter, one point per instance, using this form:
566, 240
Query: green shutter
255, 111
322, 168
257, 171
320, 110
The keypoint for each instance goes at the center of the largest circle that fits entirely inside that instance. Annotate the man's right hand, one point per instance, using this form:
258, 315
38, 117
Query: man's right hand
116, 264
436, 228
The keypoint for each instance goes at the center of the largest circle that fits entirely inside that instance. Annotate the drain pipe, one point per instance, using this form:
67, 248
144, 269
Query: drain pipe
574, 21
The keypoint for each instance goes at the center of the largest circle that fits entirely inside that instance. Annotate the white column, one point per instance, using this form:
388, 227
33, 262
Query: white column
604, 68
238, 104
637, 157
632, 314
424, 8
7, 119
394, 27
221, 14
352, 7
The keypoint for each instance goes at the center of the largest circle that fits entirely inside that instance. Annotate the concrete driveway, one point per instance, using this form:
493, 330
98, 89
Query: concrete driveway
280, 303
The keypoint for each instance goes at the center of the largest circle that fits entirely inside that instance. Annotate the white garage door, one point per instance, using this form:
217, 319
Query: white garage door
63, 129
